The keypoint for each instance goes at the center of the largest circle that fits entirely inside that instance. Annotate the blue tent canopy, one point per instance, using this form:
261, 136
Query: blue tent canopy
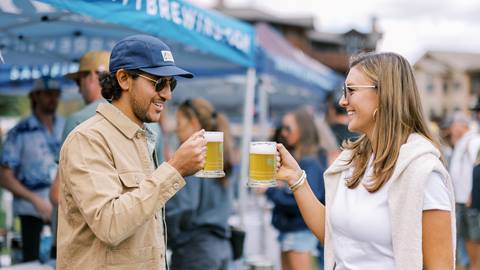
281, 60
38, 39
178, 21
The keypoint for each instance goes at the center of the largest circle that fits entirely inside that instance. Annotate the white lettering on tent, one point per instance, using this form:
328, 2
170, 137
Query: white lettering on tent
25, 74
152, 7
164, 9
189, 16
175, 11
199, 23
192, 19
34, 72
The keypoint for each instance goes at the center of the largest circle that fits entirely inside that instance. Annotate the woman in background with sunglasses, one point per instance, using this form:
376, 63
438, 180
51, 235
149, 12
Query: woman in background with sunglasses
197, 217
389, 199
297, 243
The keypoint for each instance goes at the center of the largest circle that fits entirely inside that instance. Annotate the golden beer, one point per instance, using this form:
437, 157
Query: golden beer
262, 164
214, 157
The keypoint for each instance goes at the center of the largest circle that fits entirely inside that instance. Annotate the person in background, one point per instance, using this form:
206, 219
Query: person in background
338, 120
297, 243
113, 190
389, 199
197, 217
466, 144
28, 163
474, 214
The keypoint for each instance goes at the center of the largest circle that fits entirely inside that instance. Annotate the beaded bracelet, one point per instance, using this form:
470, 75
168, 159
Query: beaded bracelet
299, 182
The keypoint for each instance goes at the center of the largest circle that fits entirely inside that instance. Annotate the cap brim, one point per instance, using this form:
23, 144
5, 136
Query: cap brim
168, 71
73, 76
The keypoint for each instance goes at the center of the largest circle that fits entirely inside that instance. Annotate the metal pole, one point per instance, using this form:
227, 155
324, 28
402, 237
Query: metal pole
247, 136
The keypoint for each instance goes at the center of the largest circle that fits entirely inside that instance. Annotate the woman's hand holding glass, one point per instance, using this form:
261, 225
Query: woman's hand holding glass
288, 169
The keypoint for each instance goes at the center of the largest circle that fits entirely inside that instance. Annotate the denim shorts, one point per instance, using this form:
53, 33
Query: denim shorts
302, 241
468, 222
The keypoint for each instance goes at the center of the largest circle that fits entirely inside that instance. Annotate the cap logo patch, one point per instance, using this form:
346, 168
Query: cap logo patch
167, 56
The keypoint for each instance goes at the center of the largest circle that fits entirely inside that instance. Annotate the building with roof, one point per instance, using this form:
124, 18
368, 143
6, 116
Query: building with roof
448, 81
332, 49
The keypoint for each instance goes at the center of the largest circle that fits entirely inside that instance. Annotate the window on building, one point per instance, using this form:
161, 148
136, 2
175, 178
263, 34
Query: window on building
430, 85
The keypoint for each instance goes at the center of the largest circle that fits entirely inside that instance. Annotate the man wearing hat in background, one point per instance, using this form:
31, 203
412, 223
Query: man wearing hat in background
92, 65
28, 163
113, 191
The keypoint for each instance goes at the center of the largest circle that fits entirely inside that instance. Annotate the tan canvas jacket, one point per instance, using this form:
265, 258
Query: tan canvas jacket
111, 197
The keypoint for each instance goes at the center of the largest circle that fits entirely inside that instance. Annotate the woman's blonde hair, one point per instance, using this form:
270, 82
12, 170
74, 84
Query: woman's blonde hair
211, 120
398, 115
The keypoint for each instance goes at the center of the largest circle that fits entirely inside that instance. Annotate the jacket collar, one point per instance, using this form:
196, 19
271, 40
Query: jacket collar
118, 119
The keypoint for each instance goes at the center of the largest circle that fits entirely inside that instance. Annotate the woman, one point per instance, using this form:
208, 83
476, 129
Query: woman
389, 199
198, 232
297, 243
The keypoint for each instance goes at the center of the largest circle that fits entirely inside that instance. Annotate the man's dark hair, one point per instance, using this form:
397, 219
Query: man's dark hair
111, 89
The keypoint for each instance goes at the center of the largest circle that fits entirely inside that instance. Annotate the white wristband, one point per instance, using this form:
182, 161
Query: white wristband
299, 182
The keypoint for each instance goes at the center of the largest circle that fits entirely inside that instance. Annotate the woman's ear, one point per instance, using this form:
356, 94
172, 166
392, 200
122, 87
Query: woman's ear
123, 79
195, 123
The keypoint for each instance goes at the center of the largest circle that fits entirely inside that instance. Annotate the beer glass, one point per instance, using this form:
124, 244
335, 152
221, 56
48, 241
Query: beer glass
214, 158
263, 160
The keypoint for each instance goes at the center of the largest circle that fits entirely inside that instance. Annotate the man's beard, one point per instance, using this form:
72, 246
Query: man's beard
140, 111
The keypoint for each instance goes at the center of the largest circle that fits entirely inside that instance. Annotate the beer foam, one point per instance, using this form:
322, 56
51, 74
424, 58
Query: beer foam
263, 148
214, 136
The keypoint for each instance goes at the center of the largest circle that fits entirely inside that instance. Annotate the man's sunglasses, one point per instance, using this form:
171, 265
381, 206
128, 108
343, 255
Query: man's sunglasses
161, 83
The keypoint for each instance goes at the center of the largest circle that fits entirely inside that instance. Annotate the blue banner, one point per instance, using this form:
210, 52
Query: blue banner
176, 20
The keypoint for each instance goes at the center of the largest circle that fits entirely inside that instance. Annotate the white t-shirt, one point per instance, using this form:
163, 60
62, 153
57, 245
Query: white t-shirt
360, 222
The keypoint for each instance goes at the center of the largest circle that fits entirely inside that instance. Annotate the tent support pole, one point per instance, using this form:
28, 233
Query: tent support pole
247, 136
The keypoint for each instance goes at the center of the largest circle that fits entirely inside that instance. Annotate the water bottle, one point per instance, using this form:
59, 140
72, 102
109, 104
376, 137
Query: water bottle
45, 244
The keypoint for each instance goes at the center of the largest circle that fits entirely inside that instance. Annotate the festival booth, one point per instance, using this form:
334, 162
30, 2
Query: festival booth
49, 37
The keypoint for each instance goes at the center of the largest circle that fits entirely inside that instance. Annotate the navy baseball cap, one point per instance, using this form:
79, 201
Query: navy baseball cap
146, 53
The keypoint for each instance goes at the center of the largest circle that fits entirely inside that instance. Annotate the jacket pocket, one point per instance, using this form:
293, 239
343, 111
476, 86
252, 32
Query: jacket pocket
131, 180
134, 255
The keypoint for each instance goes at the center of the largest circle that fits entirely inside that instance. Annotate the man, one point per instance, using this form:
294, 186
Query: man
466, 144
28, 163
112, 193
92, 64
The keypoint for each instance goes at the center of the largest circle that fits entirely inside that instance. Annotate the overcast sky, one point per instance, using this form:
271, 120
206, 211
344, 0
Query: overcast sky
410, 27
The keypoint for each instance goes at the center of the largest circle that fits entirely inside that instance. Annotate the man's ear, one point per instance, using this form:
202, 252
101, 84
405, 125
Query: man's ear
123, 79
